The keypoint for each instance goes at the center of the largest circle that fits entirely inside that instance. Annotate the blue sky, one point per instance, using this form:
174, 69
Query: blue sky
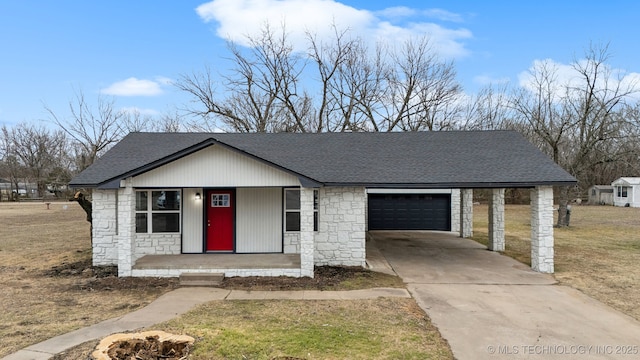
132, 50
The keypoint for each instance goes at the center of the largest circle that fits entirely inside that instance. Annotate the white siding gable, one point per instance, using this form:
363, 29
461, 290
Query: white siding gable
215, 166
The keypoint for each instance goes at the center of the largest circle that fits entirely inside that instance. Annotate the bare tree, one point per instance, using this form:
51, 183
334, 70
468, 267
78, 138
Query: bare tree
274, 88
420, 91
260, 95
576, 122
12, 168
489, 109
94, 129
35, 150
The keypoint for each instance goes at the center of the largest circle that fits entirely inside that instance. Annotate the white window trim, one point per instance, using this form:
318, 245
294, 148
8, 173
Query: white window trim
150, 211
316, 194
622, 192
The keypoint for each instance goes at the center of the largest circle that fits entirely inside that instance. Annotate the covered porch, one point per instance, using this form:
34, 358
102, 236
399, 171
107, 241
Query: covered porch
229, 264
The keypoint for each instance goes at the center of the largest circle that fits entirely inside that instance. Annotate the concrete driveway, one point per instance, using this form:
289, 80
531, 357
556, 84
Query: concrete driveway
489, 306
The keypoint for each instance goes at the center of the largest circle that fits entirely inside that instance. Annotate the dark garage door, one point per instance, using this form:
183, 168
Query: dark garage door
409, 212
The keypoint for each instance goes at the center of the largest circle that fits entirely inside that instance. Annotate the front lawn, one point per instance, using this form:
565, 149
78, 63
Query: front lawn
49, 288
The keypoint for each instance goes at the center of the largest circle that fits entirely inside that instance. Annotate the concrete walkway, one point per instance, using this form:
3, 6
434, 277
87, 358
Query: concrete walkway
489, 306
178, 302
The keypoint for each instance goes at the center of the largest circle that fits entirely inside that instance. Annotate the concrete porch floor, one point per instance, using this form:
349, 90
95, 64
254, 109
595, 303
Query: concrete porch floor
218, 261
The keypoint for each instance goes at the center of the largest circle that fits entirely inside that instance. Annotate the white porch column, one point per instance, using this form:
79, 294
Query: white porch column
466, 213
496, 220
307, 235
542, 229
126, 228
455, 210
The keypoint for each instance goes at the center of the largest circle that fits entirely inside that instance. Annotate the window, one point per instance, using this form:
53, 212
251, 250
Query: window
292, 210
622, 191
158, 211
220, 200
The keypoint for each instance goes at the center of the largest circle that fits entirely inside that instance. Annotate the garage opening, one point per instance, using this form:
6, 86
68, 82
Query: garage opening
409, 212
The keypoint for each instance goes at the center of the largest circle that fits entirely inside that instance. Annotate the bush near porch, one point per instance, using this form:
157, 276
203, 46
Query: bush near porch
599, 254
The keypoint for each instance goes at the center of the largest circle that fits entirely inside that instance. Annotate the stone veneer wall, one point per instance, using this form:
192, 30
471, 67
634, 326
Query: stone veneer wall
542, 229
496, 220
455, 210
156, 244
340, 239
341, 236
104, 228
291, 243
466, 213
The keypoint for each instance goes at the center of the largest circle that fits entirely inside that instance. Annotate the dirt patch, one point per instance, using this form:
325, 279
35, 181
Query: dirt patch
104, 278
325, 278
81, 267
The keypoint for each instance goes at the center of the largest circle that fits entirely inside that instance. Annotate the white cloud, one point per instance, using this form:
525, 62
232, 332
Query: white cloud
566, 75
443, 15
396, 12
134, 87
237, 19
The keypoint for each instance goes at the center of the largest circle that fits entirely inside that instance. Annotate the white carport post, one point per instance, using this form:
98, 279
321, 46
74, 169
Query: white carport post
307, 235
466, 213
496, 220
542, 229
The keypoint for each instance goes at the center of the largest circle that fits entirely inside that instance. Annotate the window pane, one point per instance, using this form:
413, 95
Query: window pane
220, 200
165, 222
315, 221
292, 221
292, 199
141, 200
165, 200
141, 223
315, 199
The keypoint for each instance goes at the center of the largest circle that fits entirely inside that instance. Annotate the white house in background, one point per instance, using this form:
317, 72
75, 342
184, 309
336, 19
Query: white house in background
167, 204
626, 191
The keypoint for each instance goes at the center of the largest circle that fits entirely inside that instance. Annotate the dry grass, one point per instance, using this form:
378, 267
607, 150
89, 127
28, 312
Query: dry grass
312, 330
36, 303
296, 329
598, 254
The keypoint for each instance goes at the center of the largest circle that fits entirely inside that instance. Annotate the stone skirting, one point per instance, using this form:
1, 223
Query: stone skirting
156, 244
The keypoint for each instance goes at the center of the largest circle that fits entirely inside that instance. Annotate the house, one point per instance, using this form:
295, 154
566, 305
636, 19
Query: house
255, 204
626, 191
601, 195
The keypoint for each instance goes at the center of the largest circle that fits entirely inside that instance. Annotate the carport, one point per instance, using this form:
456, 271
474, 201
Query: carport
452, 210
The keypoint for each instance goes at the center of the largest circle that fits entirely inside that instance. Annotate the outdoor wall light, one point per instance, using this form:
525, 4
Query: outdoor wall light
198, 196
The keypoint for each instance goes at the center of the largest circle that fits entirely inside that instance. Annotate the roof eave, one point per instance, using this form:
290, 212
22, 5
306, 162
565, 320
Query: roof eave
453, 185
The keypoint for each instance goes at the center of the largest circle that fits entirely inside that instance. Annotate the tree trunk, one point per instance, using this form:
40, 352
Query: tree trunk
563, 201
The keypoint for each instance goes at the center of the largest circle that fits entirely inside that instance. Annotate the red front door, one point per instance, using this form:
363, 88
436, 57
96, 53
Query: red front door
220, 215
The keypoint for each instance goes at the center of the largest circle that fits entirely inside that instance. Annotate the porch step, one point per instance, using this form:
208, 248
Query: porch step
201, 279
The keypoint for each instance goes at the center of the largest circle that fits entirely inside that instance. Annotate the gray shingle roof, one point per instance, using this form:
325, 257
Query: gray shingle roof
480, 159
